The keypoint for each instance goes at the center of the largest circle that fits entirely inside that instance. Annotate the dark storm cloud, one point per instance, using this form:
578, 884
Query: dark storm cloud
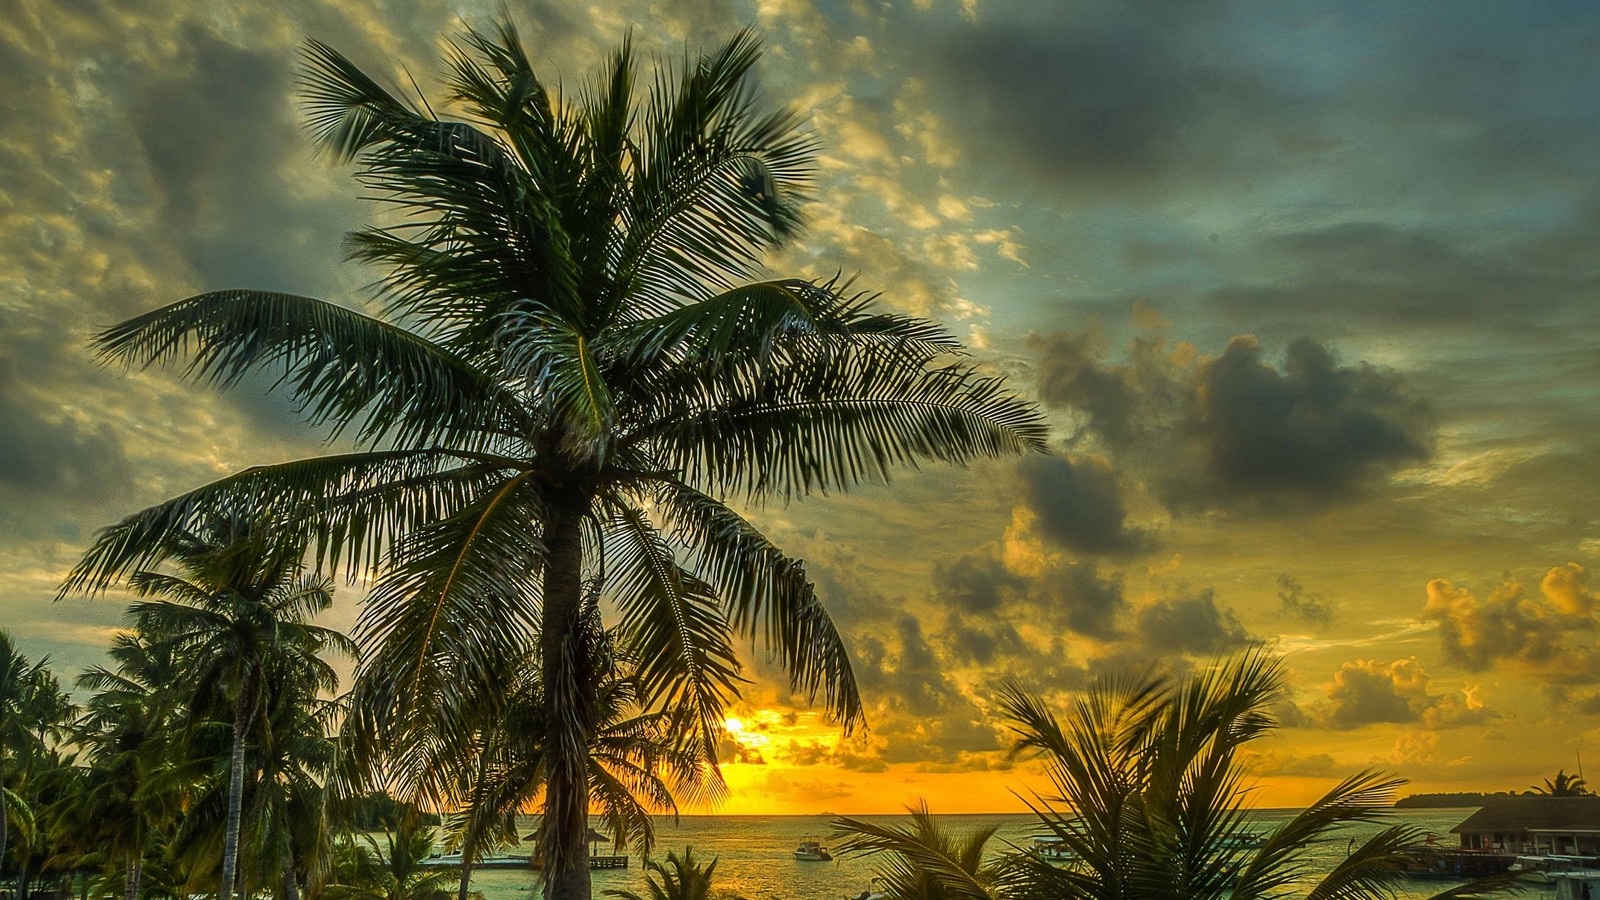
987, 602
1188, 623
1093, 603
1112, 96
1238, 429
1077, 504
1314, 428
1302, 604
48, 451
978, 583
221, 138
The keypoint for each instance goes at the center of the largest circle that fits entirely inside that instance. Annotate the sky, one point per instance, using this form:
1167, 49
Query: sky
1307, 291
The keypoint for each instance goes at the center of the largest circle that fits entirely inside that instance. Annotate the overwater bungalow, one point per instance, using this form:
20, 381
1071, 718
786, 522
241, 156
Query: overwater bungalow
1533, 825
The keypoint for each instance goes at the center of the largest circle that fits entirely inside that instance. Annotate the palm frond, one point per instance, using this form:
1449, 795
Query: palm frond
343, 368
838, 420
672, 622
767, 595
355, 504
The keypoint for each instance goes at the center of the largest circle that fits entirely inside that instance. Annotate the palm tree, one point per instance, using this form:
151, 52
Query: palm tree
238, 619
284, 834
571, 378
1151, 776
1564, 786
1149, 780
127, 735
395, 871
22, 728
926, 861
678, 878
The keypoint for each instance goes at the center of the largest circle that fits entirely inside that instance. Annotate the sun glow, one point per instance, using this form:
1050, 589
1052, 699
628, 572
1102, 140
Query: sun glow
734, 725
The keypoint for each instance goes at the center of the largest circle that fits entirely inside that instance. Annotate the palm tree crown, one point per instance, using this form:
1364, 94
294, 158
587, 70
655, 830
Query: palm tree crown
1564, 785
570, 378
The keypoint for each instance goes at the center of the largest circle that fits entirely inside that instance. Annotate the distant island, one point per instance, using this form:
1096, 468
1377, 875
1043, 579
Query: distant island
1464, 798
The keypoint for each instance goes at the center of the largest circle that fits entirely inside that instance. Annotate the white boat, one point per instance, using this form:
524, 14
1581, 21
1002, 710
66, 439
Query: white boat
812, 851
1539, 868
1578, 884
1053, 849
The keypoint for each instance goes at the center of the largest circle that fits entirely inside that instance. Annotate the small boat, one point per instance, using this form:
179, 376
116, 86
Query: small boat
871, 893
1241, 840
1578, 884
812, 851
1052, 848
1539, 868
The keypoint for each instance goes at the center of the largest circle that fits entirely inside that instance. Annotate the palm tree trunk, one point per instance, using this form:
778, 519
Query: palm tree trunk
569, 699
5, 819
291, 885
130, 891
241, 720
466, 878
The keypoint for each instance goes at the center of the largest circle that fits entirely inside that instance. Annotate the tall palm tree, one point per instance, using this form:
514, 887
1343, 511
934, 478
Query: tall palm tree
1564, 785
571, 377
238, 617
284, 834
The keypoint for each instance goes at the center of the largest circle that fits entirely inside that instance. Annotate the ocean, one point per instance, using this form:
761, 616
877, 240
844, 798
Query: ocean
755, 858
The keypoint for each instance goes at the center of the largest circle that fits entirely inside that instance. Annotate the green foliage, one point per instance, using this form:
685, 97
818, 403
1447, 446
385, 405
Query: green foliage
1148, 777
364, 869
677, 878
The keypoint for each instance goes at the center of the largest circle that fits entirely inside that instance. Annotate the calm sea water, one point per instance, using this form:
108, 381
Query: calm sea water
754, 853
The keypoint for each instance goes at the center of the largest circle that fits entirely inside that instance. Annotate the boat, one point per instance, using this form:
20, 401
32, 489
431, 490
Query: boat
1241, 840
812, 851
1540, 867
1053, 848
1578, 884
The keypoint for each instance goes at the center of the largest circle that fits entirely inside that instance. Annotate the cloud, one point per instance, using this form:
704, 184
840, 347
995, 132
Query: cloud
987, 600
1504, 625
1311, 765
1313, 428
1114, 98
1568, 588
1077, 503
1550, 634
1367, 692
1189, 623
50, 450
1313, 609
1239, 430
730, 750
